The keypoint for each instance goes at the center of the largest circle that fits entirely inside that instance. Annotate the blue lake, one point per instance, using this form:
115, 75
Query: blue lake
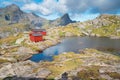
75, 44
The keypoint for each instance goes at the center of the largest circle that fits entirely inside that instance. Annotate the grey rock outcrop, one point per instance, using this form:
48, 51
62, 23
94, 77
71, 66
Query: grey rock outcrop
24, 69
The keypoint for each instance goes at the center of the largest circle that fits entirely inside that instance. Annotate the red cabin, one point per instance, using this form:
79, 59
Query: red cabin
37, 35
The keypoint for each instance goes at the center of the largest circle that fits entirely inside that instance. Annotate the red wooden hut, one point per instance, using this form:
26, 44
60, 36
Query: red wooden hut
37, 35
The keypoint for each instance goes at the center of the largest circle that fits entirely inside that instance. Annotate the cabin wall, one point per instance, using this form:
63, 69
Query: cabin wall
43, 33
38, 38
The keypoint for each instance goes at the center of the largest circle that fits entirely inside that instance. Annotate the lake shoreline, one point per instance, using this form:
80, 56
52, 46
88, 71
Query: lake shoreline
80, 42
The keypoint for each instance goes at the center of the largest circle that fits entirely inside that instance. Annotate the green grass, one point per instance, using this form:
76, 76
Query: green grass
11, 39
4, 60
59, 66
61, 34
114, 75
89, 73
106, 30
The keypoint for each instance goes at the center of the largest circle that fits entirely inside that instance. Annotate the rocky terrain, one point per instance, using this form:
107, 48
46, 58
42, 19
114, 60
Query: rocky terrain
105, 25
89, 64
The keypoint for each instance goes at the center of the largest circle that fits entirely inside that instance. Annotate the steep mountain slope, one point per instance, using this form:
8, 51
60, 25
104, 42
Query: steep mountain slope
35, 20
12, 14
12, 21
64, 20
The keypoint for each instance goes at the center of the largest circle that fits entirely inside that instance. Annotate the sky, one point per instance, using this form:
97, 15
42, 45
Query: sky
79, 10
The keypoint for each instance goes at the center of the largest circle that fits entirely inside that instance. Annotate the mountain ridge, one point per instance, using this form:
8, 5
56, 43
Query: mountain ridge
14, 14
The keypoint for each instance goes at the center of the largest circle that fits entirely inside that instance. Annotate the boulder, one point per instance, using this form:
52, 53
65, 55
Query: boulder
19, 69
19, 41
24, 50
43, 73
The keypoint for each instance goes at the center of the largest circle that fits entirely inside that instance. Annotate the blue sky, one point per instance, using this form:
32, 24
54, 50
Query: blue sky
80, 10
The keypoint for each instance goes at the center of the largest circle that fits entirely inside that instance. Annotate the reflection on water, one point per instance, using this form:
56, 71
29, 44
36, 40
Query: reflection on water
75, 44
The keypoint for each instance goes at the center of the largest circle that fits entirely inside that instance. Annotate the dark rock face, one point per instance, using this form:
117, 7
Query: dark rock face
64, 20
64, 76
7, 17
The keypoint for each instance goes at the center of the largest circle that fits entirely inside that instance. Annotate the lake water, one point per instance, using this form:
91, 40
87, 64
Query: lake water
75, 44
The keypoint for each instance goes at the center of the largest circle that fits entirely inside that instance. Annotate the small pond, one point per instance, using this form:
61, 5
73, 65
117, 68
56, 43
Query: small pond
75, 44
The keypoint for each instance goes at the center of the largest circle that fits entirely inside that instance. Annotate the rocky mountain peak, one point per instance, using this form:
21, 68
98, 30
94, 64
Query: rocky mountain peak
66, 17
13, 7
62, 21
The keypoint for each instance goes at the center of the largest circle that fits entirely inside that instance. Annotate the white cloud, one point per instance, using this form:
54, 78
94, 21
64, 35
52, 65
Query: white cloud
82, 6
31, 6
40, 7
48, 7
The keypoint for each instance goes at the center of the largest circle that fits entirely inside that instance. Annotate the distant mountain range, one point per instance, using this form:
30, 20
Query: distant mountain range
13, 14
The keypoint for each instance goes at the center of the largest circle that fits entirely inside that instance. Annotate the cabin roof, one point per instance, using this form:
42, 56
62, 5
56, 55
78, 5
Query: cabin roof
36, 34
37, 30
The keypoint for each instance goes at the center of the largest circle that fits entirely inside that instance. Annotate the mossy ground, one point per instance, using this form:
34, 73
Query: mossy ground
11, 39
89, 73
114, 75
